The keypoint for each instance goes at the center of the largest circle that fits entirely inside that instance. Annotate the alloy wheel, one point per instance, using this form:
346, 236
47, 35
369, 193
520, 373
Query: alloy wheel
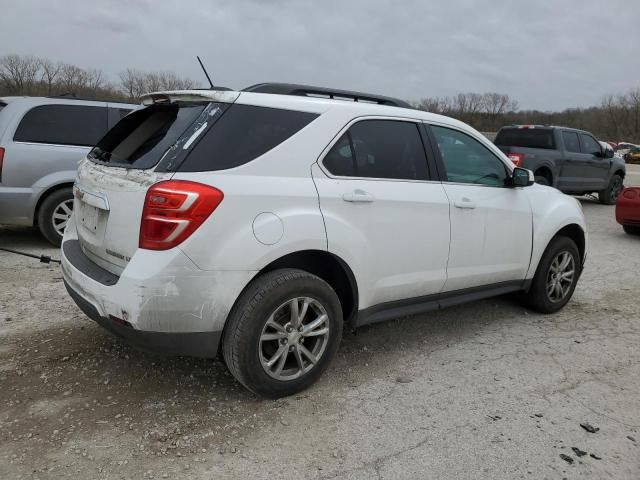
616, 188
560, 276
61, 215
294, 338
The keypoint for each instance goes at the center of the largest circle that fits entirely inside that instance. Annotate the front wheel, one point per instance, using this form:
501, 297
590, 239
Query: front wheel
54, 213
556, 277
541, 180
282, 333
609, 195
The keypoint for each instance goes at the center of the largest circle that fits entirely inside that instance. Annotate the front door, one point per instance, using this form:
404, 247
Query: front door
597, 171
491, 223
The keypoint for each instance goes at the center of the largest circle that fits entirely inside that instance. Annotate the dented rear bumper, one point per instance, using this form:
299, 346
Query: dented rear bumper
160, 302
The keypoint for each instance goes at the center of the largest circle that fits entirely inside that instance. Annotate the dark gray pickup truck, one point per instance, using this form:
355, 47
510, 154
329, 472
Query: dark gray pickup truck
571, 160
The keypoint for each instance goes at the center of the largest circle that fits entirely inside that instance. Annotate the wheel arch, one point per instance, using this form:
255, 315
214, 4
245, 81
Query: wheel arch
575, 233
329, 267
45, 194
545, 171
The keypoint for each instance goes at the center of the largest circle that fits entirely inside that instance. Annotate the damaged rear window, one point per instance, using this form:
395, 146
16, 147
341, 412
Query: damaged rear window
141, 139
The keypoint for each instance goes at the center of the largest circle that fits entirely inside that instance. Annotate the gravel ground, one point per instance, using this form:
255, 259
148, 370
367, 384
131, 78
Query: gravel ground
486, 390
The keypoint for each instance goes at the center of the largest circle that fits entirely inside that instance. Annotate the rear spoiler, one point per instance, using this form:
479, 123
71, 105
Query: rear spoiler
222, 96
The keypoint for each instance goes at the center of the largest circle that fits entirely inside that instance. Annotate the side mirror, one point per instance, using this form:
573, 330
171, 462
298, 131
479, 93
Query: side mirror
608, 153
599, 154
521, 177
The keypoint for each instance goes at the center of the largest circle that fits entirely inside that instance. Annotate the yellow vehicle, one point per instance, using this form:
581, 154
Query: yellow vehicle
633, 155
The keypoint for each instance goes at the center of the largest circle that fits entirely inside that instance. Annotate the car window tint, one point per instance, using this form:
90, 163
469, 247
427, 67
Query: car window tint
340, 160
379, 149
243, 133
589, 144
525, 137
466, 160
116, 114
571, 142
63, 125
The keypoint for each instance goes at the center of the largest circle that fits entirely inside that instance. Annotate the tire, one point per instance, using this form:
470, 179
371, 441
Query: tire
609, 195
542, 180
631, 229
538, 297
247, 354
52, 208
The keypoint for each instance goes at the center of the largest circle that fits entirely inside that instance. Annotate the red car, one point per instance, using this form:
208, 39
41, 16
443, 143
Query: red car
628, 210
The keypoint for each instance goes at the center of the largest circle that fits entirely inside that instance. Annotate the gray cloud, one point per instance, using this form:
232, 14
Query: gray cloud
547, 54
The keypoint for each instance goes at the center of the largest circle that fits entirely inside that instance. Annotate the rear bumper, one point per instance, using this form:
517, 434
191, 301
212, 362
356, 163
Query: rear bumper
160, 302
194, 344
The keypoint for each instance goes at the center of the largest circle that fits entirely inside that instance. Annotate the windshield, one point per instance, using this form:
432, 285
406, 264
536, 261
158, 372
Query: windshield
526, 137
140, 140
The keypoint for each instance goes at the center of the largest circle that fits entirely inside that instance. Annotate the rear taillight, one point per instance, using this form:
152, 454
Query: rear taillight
1, 161
516, 158
173, 210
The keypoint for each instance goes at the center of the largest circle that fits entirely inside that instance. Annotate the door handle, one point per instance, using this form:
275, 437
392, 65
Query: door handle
358, 196
464, 202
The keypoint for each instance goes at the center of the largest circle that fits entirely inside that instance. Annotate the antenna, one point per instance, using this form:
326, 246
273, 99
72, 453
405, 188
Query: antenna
205, 72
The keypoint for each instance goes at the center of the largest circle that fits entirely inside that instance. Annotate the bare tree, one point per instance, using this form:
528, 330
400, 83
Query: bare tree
72, 79
50, 71
19, 74
95, 80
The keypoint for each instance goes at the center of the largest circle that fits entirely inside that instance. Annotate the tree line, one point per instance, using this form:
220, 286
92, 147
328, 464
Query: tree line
28, 75
617, 117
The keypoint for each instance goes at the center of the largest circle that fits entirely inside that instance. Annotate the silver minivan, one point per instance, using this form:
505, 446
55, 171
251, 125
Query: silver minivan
41, 141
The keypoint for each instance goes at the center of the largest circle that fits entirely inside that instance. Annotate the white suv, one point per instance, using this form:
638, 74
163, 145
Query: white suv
255, 223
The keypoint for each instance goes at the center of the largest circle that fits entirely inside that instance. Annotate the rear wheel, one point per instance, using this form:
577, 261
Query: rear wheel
54, 214
282, 333
609, 195
556, 277
631, 229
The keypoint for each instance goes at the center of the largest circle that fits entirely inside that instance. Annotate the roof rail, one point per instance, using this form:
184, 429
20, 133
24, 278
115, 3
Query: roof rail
68, 96
322, 92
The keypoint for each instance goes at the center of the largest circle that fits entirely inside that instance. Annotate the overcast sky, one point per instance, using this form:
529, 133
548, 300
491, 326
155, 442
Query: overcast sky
547, 54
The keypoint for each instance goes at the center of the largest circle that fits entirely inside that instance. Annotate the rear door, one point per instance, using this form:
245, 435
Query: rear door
491, 224
384, 213
574, 164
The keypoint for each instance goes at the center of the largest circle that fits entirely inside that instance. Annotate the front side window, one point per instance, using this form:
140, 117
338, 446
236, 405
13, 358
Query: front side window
466, 160
589, 144
571, 142
79, 125
387, 149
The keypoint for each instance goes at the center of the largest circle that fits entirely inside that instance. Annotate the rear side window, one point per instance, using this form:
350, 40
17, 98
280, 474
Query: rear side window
63, 125
243, 133
142, 138
589, 144
571, 142
379, 149
526, 138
